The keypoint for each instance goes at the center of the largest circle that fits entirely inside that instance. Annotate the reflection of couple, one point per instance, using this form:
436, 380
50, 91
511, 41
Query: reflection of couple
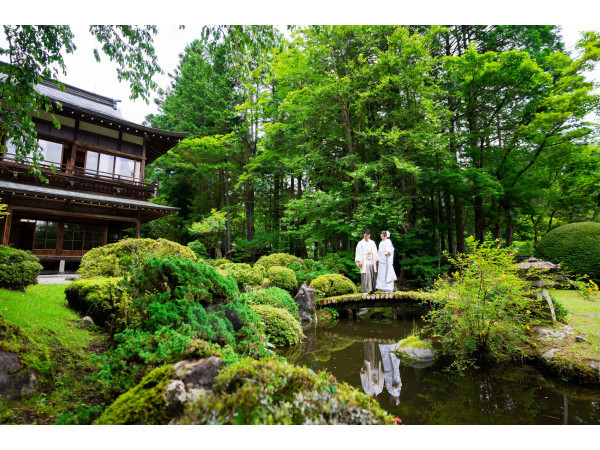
368, 263
381, 366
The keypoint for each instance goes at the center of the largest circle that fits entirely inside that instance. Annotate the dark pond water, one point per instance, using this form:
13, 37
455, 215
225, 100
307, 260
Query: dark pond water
359, 353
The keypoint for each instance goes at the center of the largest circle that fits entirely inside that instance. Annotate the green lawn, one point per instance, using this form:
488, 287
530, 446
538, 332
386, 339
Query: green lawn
42, 312
588, 327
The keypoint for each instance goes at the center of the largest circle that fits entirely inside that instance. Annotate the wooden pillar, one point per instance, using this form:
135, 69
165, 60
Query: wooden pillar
137, 229
7, 225
105, 234
350, 315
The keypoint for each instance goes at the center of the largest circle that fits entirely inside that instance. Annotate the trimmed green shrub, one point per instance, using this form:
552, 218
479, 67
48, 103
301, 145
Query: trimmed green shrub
278, 259
272, 392
309, 271
217, 262
576, 246
281, 327
199, 249
342, 262
142, 405
244, 274
18, 268
273, 296
332, 285
181, 278
103, 300
283, 278
32, 355
116, 260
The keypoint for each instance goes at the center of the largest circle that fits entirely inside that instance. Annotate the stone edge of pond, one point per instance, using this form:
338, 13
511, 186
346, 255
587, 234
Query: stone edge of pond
572, 370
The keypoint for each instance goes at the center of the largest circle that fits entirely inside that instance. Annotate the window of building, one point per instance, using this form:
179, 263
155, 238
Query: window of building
110, 166
52, 151
82, 236
46, 235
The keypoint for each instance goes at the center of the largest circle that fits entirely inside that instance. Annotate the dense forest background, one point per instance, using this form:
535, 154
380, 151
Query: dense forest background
298, 143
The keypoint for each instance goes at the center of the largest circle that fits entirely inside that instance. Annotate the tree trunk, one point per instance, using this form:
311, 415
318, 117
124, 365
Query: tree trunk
451, 246
460, 226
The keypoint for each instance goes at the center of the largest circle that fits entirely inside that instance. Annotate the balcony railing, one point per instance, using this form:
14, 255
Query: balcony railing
82, 172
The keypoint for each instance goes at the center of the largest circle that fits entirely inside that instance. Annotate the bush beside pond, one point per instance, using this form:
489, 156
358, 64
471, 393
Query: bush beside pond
120, 258
244, 274
283, 278
281, 327
332, 285
18, 268
273, 296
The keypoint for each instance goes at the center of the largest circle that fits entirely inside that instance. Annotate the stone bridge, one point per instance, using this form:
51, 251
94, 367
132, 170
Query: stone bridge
352, 302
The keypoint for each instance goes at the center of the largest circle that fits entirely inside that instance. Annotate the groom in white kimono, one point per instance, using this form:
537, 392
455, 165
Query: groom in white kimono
366, 260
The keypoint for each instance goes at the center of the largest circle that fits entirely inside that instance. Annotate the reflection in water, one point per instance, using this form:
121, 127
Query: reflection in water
381, 366
360, 353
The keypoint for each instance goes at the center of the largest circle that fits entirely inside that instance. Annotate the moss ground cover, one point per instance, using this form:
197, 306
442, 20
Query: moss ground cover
43, 314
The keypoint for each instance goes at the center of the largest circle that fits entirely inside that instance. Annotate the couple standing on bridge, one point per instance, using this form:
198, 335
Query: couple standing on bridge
369, 260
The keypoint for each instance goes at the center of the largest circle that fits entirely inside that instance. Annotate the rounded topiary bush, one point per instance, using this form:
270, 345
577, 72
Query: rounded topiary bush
278, 259
116, 260
273, 392
281, 327
244, 274
104, 300
283, 278
182, 278
272, 296
332, 285
576, 246
18, 268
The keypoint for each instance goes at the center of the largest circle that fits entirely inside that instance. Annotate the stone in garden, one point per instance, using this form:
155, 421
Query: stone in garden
414, 352
581, 339
87, 321
595, 367
592, 315
549, 354
18, 355
547, 333
305, 298
189, 378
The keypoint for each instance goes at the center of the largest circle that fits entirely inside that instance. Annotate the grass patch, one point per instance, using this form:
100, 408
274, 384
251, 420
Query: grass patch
42, 312
588, 327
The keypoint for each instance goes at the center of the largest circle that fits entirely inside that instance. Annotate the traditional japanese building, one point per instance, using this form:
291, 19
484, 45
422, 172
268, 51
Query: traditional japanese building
97, 189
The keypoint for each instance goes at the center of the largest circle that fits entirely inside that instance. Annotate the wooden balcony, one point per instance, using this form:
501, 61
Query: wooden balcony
79, 178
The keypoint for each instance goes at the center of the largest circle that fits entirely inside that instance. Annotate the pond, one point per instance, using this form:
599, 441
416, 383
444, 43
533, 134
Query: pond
359, 353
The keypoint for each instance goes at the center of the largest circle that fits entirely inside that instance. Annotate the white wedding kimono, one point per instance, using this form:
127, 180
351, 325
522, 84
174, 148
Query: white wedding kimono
386, 275
366, 252
391, 371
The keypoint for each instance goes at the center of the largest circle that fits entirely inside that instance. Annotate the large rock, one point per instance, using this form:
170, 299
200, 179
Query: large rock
549, 334
414, 352
305, 298
23, 366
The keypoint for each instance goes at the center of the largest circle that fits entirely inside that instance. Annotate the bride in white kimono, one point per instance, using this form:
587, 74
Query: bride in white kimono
386, 274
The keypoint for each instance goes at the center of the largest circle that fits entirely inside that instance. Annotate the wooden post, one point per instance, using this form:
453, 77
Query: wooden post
137, 229
349, 311
105, 234
395, 313
7, 225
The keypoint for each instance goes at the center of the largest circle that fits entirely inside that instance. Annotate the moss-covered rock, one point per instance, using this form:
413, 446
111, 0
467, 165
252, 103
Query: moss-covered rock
278, 259
332, 285
116, 260
415, 352
104, 300
272, 392
145, 404
576, 246
244, 274
25, 365
273, 296
18, 268
283, 278
281, 327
